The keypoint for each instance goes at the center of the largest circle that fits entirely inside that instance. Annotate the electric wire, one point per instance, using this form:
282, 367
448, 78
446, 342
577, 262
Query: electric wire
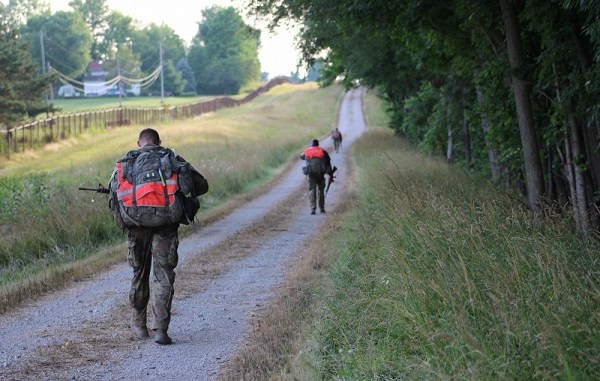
103, 87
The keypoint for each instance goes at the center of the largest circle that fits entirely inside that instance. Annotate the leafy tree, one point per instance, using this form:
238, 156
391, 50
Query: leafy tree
118, 32
20, 85
224, 52
21, 10
147, 42
491, 84
314, 71
66, 38
124, 62
187, 75
95, 13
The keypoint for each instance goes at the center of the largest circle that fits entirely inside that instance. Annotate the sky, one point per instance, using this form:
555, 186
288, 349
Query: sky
277, 55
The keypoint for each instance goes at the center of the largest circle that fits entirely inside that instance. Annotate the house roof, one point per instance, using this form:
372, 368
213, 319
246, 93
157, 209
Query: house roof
96, 66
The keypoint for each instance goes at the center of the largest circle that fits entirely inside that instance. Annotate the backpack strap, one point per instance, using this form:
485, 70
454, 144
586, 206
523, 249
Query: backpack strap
127, 164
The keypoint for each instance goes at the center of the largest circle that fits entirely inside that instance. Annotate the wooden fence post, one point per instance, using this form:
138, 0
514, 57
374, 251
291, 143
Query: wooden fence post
8, 143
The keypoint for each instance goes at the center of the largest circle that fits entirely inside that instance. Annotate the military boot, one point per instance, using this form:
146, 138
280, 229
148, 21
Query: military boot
138, 323
161, 337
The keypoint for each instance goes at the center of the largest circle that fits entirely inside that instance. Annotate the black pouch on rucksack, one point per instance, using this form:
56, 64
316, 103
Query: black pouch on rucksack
191, 205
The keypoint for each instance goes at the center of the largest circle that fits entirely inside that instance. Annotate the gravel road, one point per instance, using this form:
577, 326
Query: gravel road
81, 332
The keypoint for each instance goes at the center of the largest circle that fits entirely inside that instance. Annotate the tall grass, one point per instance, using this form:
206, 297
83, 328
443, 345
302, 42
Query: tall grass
46, 221
442, 276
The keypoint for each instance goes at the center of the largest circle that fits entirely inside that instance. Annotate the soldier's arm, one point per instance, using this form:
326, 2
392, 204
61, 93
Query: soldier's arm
194, 182
327, 159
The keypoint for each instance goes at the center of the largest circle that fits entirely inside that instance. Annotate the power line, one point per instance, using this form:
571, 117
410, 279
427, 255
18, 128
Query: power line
104, 86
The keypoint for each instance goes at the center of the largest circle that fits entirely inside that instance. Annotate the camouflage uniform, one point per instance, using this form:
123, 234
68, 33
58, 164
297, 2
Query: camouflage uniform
152, 235
316, 191
316, 181
336, 136
145, 245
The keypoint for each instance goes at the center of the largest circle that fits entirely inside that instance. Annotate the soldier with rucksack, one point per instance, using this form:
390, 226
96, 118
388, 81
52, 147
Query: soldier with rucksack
336, 136
318, 164
152, 191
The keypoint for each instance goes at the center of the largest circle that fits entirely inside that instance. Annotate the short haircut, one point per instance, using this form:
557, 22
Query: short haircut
315, 143
151, 135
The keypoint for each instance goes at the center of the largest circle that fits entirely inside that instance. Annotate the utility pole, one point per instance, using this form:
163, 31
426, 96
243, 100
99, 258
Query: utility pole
50, 96
119, 81
162, 81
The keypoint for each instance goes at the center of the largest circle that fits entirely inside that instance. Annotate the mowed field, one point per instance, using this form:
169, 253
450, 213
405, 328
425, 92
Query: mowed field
66, 105
77, 104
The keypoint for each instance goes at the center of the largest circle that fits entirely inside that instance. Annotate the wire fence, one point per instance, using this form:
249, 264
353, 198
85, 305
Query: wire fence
63, 126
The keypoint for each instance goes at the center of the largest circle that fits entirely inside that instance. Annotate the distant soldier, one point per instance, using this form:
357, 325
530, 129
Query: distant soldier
149, 192
318, 164
336, 135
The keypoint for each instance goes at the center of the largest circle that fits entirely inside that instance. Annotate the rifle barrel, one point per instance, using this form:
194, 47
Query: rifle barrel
99, 190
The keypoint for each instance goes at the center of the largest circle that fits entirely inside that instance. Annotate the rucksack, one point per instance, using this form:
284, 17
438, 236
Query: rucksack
315, 167
145, 189
315, 162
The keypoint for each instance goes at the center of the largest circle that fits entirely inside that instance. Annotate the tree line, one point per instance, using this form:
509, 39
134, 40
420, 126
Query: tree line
507, 88
222, 57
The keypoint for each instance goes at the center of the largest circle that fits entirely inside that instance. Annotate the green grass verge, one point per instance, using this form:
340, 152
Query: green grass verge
441, 276
46, 222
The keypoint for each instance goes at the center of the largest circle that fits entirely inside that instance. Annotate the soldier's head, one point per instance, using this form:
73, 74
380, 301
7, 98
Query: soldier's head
148, 136
315, 143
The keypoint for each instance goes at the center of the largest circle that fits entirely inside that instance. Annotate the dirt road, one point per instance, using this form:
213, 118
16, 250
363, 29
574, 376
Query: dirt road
226, 272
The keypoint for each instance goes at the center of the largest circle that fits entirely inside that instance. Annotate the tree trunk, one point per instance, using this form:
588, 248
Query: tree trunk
560, 183
580, 200
550, 184
533, 167
450, 146
466, 133
493, 155
467, 141
590, 130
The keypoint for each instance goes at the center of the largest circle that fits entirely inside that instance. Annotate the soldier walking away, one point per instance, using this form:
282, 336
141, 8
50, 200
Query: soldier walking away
336, 136
318, 164
152, 191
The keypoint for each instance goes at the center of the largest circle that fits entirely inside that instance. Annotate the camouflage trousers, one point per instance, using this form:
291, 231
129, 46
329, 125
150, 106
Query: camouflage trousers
147, 245
316, 192
337, 144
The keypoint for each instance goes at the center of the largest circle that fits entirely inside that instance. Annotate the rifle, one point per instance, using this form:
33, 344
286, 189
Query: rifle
100, 189
331, 177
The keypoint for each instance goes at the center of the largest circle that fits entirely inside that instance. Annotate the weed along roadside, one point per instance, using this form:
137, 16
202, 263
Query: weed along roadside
430, 273
52, 233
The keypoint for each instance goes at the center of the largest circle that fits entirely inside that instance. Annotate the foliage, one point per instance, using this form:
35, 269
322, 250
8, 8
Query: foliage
124, 62
224, 52
187, 75
147, 42
458, 52
95, 13
118, 33
20, 85
67, 41
21, 10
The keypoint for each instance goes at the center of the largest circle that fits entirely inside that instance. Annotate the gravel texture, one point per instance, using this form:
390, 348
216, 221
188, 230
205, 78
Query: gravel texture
81, 332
